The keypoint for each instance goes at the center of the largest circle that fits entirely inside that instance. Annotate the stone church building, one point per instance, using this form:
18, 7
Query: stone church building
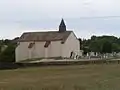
61, 43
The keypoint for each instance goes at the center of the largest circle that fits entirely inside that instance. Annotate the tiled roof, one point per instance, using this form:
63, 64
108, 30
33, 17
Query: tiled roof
45, 36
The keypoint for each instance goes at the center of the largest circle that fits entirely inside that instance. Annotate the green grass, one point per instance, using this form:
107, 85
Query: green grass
74, 77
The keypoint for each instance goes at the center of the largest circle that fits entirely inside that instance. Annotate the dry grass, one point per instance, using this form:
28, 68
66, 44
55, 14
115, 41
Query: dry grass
75, 77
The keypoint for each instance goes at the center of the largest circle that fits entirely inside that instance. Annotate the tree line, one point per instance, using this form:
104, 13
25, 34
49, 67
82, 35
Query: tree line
7, 50
101, 44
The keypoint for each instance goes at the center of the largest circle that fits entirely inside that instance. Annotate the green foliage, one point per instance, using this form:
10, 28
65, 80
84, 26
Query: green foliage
95, 46
8, 55
102, 44
7, 41
0, 48
106, 47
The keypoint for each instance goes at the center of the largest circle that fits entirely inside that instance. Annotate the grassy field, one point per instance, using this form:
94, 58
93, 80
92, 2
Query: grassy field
74, 77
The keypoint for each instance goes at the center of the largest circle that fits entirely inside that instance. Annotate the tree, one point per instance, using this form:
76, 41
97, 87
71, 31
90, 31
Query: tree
93, 37
86, 50
6, 41
95, 46
102, 43
115, 47
8, 55
106, 47
0, 48
80, 42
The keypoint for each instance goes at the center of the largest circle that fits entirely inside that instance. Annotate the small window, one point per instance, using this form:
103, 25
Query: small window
31, 45
47, 44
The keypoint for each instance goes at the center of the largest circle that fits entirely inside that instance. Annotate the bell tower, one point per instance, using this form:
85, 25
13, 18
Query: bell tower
62, 26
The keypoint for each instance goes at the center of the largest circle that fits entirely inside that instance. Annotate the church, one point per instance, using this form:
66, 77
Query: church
49, 44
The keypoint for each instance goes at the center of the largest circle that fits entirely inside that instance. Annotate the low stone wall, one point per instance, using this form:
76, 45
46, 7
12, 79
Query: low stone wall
56, 63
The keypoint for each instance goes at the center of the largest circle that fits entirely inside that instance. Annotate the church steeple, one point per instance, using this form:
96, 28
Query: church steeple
62, 26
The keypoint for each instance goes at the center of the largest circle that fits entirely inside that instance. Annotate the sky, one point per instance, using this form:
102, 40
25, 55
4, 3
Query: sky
84, 17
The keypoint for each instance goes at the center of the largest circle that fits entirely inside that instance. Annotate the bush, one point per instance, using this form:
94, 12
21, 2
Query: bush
8, 55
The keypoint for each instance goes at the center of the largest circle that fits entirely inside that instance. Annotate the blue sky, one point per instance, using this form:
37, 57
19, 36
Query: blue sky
18, 16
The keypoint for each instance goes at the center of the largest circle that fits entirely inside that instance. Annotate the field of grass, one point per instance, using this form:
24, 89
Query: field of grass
74, 77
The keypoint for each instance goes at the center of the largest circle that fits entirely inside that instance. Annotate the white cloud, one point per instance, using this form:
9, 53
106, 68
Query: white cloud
59, 8
18, 15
